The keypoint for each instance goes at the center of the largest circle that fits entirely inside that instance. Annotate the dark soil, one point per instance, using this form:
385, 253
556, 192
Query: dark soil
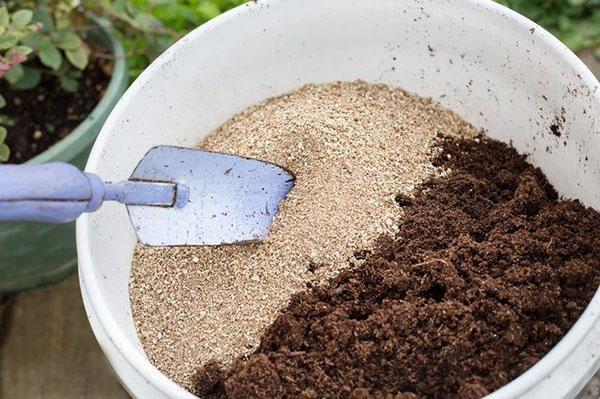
47, 114
488, 271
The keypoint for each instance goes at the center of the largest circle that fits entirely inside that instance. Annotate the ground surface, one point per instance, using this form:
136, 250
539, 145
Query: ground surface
47, 349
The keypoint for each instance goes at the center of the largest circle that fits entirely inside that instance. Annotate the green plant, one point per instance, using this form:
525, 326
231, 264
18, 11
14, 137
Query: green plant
148, 27
35, 39
13, 28
50, 31
48, 37
41, 38
575, 22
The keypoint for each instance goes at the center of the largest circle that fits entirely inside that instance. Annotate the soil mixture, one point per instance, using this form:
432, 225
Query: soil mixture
487, 272
353, 146
47, 114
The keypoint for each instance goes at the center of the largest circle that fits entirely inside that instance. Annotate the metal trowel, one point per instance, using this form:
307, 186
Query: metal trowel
175, 196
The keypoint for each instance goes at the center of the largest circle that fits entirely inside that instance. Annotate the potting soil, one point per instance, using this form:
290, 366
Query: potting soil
487, 271
353, 147
46, 114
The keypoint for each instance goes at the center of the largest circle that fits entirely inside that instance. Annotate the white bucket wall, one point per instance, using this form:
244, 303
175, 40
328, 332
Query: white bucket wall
498, 70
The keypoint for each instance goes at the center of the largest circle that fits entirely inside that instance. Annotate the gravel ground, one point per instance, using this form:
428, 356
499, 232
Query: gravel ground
592, 390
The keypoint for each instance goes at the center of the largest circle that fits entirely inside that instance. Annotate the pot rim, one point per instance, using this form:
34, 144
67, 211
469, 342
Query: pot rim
79, 138
138, 361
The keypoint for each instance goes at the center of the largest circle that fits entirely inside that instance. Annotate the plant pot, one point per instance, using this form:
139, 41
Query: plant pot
497, 69
33, 253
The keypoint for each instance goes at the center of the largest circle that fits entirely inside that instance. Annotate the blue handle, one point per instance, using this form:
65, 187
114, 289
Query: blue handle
58, 192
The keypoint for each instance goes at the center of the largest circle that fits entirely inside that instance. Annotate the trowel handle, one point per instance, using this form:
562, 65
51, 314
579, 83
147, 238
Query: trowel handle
58, 192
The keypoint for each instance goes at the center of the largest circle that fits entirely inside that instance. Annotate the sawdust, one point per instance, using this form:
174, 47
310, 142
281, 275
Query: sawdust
353, 147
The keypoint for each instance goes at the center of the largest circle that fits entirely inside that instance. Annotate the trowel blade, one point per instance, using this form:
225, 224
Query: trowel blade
231, 199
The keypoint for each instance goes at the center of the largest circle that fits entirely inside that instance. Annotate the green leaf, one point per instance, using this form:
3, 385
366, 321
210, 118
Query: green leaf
147, 21
68, 84
50, 56
22, 18
177, 16
2, 101
25, 50
4, 152
78, 58
14, 74
8, 40
43, 15
6, 121
30, 79
3, 134
4, 19
67, 41
32, 40
208, 9
573, 40
118, 9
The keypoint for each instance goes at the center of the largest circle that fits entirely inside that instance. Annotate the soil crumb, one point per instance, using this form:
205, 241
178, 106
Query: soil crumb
353, 148
487, 271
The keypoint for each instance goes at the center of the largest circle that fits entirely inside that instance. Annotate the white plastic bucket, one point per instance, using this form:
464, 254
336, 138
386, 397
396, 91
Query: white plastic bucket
497, 69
